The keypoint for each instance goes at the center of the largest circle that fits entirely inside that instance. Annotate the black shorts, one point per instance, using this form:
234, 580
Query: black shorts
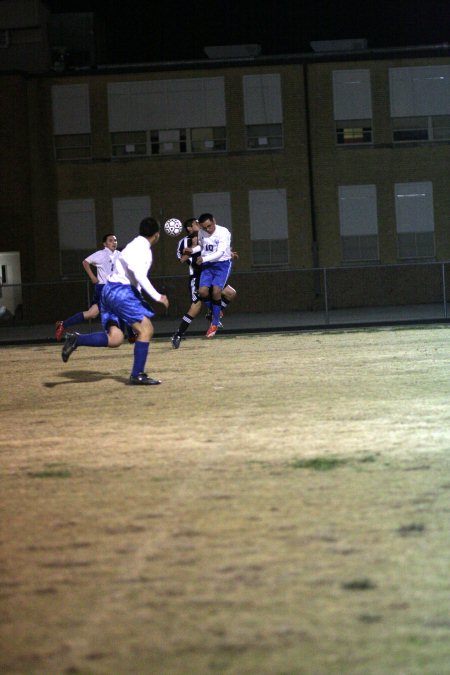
193, 288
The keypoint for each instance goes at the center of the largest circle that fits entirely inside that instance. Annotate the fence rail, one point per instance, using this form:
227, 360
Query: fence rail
325, 293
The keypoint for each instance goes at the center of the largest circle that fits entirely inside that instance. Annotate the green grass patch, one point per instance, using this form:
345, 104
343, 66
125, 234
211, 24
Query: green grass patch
318, 463
50, 473
52, 470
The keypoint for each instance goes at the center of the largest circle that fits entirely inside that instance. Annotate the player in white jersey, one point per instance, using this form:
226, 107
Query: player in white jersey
214, 245
192, 228
122, 303
103, 260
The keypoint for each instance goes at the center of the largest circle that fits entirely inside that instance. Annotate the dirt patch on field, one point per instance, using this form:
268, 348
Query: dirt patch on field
279, 504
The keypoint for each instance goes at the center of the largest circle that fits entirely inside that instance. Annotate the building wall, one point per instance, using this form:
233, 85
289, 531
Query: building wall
35, 181
382, 163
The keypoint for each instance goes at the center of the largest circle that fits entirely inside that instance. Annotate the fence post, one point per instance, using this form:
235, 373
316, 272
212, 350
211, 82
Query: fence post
444, 292
88, 302
325, 293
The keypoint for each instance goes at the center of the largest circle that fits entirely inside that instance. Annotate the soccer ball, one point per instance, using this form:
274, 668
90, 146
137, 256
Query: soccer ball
173, 227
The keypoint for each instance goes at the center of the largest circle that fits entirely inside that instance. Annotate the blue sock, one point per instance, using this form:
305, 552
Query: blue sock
92, 340
216, 313
140, 357
72, 320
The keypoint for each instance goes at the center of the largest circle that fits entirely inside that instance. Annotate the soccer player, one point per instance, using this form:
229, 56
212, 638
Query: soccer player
103, 260
122, 303
192, 228
214, 245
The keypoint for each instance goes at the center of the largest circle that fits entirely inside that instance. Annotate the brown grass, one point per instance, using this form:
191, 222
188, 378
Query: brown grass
279, 505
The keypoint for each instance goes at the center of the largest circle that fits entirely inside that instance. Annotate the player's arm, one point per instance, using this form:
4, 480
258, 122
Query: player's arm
196, 245
222, 247
147, 286
180, 248
89, 272
139, 267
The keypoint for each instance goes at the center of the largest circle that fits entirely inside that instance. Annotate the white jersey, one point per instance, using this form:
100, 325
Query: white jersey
104, 261
215, 247
133, 265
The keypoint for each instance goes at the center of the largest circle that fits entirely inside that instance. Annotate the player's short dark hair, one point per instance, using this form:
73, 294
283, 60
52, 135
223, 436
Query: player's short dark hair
105, 237
204, 217
187, 223
148, 227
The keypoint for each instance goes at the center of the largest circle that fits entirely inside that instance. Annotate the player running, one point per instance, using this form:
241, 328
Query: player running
103, 260
122, 303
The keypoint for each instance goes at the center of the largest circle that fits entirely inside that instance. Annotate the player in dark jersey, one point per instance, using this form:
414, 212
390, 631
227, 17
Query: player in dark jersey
189, 241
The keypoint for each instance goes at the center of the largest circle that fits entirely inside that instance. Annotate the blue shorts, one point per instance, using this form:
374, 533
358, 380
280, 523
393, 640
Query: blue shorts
98, 290
215, 273
123, 303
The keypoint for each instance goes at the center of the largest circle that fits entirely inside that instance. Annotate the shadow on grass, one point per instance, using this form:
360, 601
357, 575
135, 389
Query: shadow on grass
79, 376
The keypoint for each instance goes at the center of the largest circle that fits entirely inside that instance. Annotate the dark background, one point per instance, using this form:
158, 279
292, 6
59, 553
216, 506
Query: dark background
146, 30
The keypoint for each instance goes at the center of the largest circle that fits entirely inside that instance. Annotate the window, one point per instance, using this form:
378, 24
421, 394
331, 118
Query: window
268, 227
263, 111
73, 146
352, 101
71, 121
77, 234
415, 220
128, 212
217, 203
263, 136
168, 141
353, 131
129, 143
165, 117
358, 223
208, 139
420, 103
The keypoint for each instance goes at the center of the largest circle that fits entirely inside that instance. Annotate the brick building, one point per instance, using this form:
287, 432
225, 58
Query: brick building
334, 159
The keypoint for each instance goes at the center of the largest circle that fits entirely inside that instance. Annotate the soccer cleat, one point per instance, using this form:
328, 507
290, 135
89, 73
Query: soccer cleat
132, 337
142, 378
212, 330
69, 346
175, 340
59, 334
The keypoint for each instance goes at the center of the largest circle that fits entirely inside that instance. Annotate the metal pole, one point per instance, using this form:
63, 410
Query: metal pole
325, 294
444, 292
88, 303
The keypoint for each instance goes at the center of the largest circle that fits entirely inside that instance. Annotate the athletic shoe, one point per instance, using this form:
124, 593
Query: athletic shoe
212, 330
59, 334
69, 346
142, 378
132, 337
175, 340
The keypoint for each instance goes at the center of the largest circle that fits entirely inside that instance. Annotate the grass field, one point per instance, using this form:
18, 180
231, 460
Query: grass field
279, 505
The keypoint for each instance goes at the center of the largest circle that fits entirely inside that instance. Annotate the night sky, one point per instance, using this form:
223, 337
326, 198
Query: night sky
155, 30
